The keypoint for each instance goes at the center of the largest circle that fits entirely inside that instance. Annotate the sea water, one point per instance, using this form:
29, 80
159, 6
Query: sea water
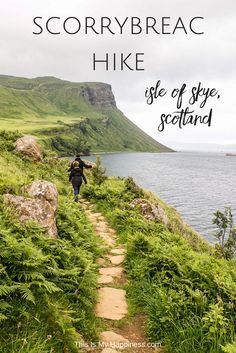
196, 184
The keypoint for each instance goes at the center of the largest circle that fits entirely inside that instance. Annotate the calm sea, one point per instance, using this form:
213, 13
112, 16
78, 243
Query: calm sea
196, 184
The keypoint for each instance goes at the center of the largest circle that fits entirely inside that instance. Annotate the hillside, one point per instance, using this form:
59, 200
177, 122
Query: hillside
70, 117
178, 288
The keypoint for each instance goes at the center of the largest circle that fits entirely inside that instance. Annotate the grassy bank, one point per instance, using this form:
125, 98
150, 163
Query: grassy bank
47, 286
175, 276
70, 117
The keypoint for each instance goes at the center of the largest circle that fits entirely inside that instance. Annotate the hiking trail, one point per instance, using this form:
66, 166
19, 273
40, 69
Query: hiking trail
122, 333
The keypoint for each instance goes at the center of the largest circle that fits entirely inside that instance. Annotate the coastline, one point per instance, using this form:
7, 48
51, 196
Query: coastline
181, 180
176, 219
177, 224
124, 152
171, 270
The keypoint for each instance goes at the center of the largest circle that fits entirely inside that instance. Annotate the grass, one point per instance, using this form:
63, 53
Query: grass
47, 286
29, 125
53, 110
176, 278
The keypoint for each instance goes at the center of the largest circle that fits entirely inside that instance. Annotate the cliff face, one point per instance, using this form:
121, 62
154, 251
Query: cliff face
70, 116
99, 95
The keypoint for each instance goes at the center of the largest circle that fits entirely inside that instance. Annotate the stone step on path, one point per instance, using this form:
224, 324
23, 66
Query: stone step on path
112, 340
118, 251
116, 259
109, 241
104, 279
111, 271
109, 274
109, 350
111, 305
101, 227
101, 261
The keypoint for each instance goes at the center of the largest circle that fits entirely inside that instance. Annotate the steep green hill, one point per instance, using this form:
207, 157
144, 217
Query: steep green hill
70, 117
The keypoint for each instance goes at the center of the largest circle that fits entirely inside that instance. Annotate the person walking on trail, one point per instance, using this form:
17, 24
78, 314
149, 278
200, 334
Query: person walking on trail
76, 178
82, 165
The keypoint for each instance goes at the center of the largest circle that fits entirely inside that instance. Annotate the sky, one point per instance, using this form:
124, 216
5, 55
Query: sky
172, 59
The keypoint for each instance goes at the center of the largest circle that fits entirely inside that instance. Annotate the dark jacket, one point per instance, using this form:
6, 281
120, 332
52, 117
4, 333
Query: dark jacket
76, 176
82, 165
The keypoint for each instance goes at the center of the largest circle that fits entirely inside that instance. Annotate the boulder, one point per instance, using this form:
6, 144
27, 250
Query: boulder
92, 164
43, 190
41, 207
28, 146
150, 211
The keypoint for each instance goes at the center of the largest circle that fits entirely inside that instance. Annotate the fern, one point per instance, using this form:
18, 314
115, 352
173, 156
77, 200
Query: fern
49, 286
30, 276
4, 305
26, 293
7, 290
46, 285
2, 317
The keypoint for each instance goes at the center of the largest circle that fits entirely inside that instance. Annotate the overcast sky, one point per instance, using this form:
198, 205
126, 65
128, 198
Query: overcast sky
174, 59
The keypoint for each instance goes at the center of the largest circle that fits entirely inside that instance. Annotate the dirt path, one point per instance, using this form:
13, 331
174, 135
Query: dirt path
121, 332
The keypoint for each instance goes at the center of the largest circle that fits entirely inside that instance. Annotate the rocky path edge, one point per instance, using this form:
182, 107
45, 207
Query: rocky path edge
112, 304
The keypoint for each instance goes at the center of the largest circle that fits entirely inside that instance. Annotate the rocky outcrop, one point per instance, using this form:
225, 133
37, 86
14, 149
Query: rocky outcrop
41, 207
150, 211
92, 164
28, 146
99, 94
43, 190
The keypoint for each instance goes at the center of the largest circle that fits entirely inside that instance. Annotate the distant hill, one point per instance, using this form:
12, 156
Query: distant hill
70, 117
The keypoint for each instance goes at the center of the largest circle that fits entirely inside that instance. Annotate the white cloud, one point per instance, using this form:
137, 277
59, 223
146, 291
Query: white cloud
173, 59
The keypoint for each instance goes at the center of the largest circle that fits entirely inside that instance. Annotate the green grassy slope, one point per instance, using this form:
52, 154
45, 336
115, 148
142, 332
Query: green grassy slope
70, 117
47, 286
184, 287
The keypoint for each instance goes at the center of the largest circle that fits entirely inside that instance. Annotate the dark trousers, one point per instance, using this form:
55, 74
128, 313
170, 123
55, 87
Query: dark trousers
76, 189
76, 186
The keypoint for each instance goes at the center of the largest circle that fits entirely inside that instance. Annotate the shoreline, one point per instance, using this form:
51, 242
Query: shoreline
157, 153
154, 178
177, 221
165, 175
124, 152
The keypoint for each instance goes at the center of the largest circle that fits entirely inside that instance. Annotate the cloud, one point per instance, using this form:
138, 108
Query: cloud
173, 59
